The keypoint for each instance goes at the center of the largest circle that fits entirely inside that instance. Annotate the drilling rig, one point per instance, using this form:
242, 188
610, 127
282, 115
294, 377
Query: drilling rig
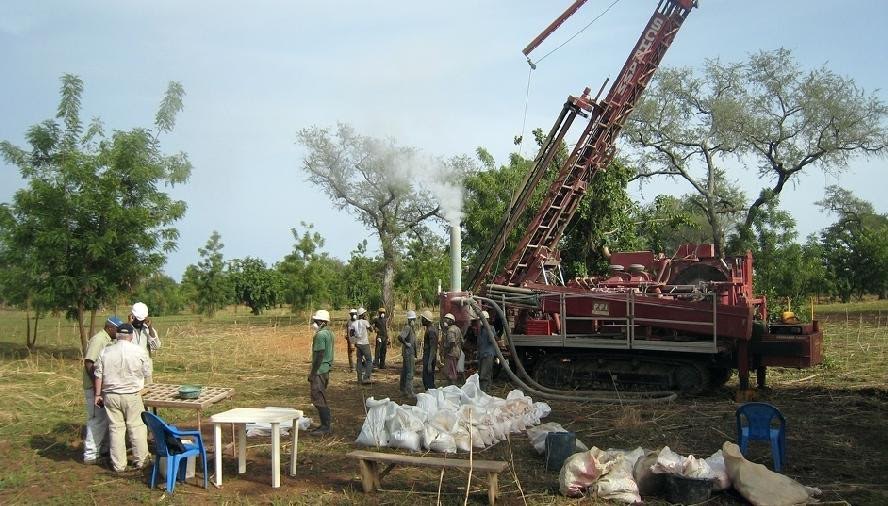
682, 322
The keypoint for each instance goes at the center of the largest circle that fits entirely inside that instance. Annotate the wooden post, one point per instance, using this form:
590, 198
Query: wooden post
491, 487
367, 481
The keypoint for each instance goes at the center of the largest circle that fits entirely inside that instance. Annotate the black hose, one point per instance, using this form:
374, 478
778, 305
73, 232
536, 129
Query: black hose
528, 384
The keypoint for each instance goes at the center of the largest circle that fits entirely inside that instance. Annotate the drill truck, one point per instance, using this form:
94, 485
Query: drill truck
683, 322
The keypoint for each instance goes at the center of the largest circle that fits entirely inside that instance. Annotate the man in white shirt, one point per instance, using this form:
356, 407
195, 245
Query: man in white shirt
144, 334
120, 372
363, 355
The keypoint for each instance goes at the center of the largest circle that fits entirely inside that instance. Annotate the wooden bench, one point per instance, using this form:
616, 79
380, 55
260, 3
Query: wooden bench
371, 475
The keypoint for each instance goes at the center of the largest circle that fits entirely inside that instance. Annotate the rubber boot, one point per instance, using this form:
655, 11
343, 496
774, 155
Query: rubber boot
324, 429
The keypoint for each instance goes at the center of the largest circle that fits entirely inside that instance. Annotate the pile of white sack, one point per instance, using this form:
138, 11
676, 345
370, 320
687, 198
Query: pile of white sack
449, 419
626, 476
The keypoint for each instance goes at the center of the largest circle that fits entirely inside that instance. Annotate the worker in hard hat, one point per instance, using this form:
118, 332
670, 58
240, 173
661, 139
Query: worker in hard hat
429, 349
321, 362
486, 352
452, 347
380, 325
407, 338
363, 355
349, 338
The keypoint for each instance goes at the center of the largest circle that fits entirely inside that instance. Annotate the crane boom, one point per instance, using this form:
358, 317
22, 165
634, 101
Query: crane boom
537, 252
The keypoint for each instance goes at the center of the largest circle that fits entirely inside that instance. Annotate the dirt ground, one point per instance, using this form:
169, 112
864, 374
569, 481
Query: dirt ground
836, 436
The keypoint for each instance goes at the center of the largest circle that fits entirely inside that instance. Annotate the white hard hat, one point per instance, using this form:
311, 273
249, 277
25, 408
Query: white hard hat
140, 311
485, 314
411, 315
352, 311
321, 315
361, 311
427, 315
449, 316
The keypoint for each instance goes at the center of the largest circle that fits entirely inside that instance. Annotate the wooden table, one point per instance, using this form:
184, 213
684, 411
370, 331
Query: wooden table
159, 395
243, 416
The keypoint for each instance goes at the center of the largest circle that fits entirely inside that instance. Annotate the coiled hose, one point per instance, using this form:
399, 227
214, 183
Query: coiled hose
529, 385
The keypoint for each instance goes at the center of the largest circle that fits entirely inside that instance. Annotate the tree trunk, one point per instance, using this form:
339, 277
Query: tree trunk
388, 274
80, 327
29, 341
92, 322
718, 235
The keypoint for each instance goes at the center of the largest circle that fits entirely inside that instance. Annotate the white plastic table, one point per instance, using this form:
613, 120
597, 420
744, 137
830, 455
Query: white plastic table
243, 416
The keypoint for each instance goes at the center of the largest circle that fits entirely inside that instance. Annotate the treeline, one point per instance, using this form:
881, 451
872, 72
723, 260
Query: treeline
306, 278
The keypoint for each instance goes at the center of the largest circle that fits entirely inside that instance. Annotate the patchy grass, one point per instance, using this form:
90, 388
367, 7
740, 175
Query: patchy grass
870, 307
836, 412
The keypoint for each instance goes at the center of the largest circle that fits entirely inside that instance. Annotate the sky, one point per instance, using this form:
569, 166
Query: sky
445, 77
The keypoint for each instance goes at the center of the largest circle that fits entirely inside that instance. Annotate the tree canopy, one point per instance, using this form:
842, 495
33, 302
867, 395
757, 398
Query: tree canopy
93, 219
765, 112
376, 180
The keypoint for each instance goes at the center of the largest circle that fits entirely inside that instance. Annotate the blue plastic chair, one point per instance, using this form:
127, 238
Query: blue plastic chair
168, 443
759, 416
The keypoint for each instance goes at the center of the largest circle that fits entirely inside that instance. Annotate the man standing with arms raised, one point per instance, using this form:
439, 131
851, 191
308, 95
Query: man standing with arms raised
349, 336
319, 376
144, 334
121, 372
380, 324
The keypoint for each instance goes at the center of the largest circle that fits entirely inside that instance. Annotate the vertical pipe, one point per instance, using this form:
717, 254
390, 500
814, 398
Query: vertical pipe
455, 257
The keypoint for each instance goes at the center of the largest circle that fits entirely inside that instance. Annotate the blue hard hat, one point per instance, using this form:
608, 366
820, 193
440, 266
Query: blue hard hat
113, 320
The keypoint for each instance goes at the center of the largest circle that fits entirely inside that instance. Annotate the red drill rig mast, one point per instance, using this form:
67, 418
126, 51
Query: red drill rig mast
538, 249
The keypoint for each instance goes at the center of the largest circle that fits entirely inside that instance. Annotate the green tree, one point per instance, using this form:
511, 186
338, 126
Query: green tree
855, 247
162, 294
92, 219
208, 281
375, 180
255, 285
490, 192
426, 260
668, 222
786, 272
767, 111
360, 278
310, 276
605, 221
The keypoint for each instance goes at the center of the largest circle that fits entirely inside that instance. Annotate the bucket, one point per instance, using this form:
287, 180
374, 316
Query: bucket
190, 464
680, 489
559, 446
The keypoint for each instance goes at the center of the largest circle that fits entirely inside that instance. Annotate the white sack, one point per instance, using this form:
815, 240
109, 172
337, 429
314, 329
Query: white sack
405, 439
720, 480
669, 462
427, 402
437, 441
606, 475
579, 472
761, 486
374, 432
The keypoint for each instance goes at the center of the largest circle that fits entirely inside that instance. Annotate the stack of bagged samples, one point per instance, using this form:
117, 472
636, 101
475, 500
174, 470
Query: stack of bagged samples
449, 419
